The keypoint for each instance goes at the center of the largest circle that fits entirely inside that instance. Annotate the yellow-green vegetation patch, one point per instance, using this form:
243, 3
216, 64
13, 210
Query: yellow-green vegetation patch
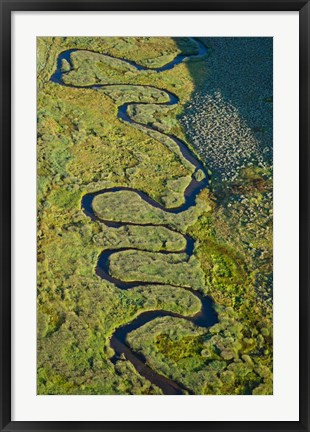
233, 247
65, 198
175, 269
150, 48
80, 366
130, 93
91, 69
219, 361
147, 51
166, 297
83, 147
160, 117
80, 135
152, 238
169, 142
151, 51
127, 206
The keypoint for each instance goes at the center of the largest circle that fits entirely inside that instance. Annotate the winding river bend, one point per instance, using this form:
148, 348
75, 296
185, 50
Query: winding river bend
207, 316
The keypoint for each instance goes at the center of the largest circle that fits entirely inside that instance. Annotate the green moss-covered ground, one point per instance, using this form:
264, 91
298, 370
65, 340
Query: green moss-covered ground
83, 147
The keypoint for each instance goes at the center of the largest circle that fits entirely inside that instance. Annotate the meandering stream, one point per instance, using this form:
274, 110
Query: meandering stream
207, 315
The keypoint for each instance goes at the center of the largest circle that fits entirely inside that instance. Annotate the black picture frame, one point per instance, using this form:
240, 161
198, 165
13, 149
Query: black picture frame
7, 7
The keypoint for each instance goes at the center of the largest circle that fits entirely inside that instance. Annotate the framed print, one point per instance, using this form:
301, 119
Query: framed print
154, 205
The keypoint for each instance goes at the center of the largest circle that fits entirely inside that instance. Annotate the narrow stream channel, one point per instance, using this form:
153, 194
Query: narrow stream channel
207, 316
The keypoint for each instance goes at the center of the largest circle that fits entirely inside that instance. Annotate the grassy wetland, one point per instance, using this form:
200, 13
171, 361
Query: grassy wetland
154, 216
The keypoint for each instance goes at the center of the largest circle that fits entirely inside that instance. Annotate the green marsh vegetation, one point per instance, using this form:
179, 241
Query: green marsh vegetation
149, 238
82, 148
128, 206
173, 269
234, 247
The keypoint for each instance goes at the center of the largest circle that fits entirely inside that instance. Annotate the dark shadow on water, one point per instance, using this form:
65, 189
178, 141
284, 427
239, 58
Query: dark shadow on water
240, 69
